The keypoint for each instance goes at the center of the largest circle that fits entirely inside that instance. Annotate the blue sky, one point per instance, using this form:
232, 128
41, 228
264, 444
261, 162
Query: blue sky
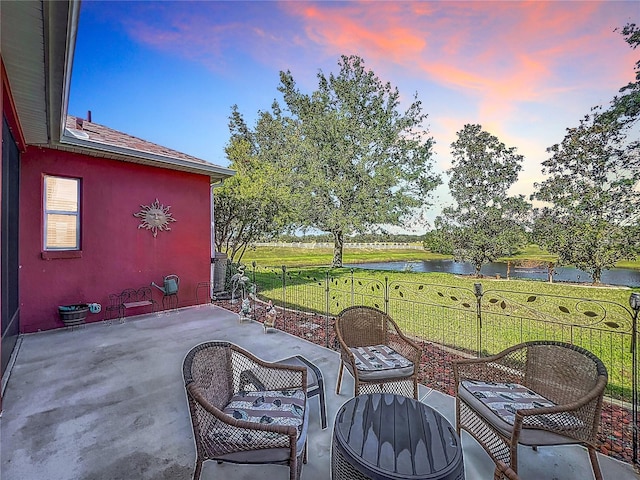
169, 72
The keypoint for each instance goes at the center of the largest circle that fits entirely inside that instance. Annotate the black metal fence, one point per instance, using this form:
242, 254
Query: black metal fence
452, 322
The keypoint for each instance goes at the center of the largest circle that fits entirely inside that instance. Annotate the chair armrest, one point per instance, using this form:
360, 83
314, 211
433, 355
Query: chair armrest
503, 471
582, 409
345, 353
407, 348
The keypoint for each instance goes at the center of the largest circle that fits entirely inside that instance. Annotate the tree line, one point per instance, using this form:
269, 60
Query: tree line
346, 160
356, 238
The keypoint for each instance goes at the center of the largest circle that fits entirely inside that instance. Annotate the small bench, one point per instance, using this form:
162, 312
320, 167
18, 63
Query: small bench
130, 298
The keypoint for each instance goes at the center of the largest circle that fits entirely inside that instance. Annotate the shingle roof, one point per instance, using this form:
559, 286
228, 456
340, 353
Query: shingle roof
98, 140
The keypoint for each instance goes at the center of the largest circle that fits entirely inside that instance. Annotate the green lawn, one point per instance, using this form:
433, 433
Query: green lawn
440, 307
297, 257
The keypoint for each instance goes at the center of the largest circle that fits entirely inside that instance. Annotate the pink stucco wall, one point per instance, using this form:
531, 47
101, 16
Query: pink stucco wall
116, 254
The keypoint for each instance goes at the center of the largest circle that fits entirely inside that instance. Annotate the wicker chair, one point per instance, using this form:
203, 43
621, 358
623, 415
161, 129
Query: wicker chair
365, 333
230, 422
553, 394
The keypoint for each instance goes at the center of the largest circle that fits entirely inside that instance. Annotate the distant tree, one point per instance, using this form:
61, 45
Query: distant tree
253, 204
594, 174
591, 191
624, 109
440, 239
361, 162
486, 223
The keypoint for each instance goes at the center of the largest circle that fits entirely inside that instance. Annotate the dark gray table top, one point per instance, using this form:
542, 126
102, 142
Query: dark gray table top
395, 437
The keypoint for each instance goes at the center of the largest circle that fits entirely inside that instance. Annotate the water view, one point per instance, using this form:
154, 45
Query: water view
615, 276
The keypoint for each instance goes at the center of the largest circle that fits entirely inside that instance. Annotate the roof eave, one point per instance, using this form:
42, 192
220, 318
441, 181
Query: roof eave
37, 33
60, 73
69, 143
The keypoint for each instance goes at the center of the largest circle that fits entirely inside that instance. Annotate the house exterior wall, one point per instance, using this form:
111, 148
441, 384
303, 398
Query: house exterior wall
115, 253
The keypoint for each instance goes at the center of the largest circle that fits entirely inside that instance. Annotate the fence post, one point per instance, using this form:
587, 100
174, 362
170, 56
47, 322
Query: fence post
352, 289
386, 295
477, 289
634, 303
284, 295
327, 307
254, 287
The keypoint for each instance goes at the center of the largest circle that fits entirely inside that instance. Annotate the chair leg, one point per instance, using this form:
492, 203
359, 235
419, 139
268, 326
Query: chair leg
295, 466
593, 456
323, 409
458, 415
514, 457
339, 378
198, 470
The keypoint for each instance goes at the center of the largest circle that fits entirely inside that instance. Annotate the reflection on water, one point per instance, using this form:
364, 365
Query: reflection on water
615, 276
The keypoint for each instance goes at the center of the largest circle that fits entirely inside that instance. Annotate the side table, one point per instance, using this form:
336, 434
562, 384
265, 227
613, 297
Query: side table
315, 383
392, 437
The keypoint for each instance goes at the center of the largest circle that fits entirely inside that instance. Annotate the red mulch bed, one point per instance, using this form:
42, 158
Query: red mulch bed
615, 432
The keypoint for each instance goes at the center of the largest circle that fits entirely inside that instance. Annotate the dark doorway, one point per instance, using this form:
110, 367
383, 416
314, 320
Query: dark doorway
9, 244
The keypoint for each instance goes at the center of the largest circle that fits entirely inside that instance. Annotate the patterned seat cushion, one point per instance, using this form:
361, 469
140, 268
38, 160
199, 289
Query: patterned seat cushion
505, 399
380, 361
283, 407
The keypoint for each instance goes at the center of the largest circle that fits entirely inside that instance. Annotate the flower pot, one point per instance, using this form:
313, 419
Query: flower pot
73, 315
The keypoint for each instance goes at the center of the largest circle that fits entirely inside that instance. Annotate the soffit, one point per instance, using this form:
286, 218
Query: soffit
22, 37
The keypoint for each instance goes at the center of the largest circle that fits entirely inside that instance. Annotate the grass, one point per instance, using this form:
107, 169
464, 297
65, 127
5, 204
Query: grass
298, 257
303, 257
441, 307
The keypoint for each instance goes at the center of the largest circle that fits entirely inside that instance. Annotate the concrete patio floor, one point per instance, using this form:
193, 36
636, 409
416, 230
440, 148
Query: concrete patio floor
108, 402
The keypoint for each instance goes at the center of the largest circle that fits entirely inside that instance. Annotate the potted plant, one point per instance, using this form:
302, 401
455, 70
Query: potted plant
73, 315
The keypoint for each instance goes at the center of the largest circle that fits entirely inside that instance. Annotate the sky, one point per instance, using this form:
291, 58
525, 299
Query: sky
169, 72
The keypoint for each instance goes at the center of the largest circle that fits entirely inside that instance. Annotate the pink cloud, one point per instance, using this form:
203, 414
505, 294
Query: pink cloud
497, 55
515, 51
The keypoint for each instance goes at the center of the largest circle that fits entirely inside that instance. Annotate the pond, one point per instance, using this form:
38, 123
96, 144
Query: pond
615, 276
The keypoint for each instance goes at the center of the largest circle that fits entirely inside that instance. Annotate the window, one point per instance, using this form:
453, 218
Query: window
61, 213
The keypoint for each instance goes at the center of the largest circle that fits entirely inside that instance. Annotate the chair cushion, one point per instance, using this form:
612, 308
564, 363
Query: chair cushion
243, 443
504, 399
380, 362
284, 407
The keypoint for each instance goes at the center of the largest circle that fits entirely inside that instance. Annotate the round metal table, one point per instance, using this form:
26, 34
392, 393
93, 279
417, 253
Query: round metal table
391, 437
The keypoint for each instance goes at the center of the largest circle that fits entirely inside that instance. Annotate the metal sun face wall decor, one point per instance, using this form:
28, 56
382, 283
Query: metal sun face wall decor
155, 217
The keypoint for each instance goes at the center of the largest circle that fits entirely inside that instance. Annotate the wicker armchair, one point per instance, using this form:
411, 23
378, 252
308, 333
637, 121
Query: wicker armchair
376, 353
538, 393
234, 421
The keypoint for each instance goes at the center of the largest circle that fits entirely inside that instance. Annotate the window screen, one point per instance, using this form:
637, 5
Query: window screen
61, 213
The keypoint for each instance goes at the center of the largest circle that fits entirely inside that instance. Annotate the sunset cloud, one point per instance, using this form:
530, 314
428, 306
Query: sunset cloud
525, 71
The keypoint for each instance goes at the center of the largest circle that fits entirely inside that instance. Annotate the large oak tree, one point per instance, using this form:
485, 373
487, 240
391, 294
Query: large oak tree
361, 162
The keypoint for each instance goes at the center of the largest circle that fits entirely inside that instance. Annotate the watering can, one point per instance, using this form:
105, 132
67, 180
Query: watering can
171, 283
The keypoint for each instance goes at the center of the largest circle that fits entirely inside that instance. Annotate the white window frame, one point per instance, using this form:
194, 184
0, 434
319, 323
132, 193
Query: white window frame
47, 212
